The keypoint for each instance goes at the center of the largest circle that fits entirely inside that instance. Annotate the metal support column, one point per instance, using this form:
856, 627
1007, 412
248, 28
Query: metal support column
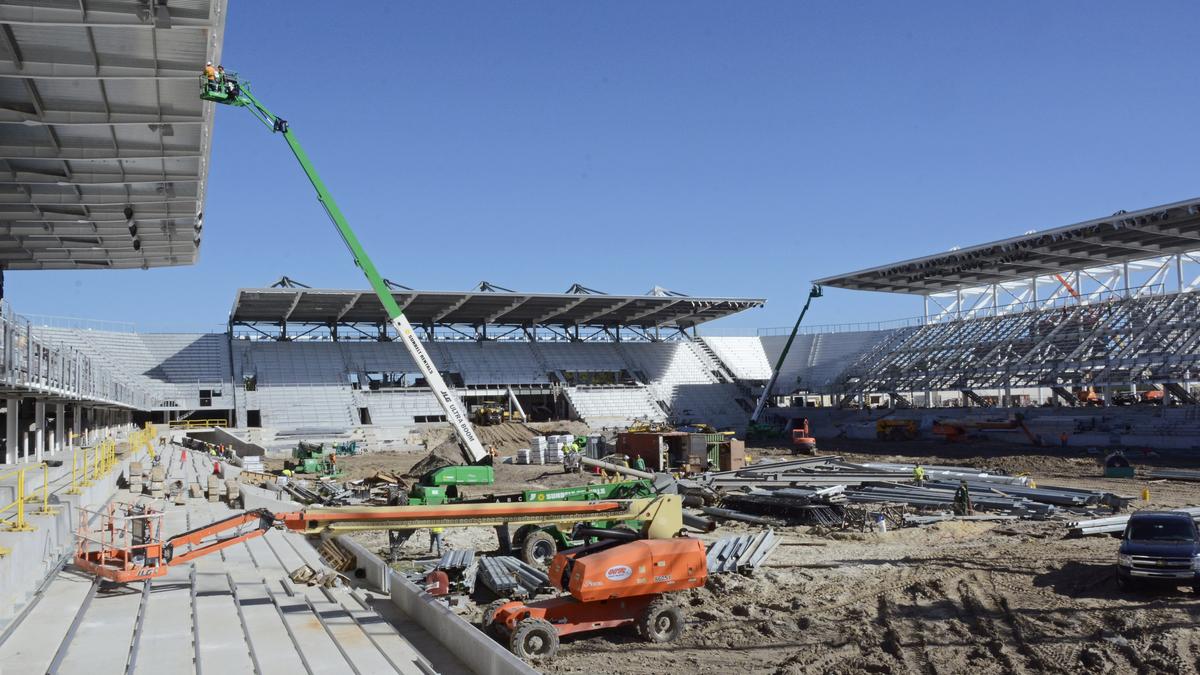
39, 429
60, 427
11, 440
76, 425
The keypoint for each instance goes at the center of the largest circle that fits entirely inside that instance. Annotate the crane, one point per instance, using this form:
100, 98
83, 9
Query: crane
229, 90
814, 292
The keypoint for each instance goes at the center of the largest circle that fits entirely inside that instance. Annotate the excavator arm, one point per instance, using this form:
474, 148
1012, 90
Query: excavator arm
239, 95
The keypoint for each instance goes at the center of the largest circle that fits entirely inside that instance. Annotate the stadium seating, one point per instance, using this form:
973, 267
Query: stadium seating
743, 356
603, 407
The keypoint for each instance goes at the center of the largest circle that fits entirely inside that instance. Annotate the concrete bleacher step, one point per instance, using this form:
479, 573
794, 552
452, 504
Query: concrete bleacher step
320, 652
222, 640
167, 644
356, 646
270, 641
34, 642
386, 638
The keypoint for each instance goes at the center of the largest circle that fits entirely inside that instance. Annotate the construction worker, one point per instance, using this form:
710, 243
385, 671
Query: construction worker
962, 500
639, 464
210, 72
919, 475
435, 540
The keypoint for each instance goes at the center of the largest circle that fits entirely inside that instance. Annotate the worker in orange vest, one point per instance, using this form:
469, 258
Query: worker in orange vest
210, 72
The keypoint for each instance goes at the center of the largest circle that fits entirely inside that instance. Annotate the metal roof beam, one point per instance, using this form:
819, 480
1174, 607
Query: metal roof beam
698, 309
347, 307
98, 154
101, 179
453, 306
493, 318
9, 41
292, 307
102, 13
607, 310
653, 310
561, 310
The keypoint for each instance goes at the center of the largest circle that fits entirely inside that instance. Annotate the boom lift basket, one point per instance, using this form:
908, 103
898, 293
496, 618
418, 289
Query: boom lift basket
126, 546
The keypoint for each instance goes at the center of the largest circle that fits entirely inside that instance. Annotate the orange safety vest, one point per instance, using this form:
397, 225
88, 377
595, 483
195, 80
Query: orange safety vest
210, 72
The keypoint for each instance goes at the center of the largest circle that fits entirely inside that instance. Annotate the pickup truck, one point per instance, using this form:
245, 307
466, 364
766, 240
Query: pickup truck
1160, 547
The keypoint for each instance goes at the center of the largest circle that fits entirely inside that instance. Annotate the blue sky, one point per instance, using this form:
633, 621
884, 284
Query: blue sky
728, 149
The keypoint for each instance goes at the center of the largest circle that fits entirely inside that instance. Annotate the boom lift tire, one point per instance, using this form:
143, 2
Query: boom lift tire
538, 548
489, 619
662, 621
534, 639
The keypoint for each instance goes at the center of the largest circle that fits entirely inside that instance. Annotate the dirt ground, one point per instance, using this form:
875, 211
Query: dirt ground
956, 597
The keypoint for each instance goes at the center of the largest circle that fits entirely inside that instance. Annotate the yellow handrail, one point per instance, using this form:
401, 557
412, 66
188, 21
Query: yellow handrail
17, 522
198, 423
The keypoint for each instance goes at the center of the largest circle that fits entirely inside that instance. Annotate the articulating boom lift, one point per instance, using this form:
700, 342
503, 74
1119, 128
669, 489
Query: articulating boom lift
814, 292
229, 91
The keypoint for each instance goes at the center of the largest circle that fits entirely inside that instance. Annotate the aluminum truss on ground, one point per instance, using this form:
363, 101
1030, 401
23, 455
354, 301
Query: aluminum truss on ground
1153, 339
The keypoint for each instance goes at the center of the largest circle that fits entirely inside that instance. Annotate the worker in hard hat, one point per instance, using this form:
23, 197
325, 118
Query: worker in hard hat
436, 535
919, 475
962, 500
210, 72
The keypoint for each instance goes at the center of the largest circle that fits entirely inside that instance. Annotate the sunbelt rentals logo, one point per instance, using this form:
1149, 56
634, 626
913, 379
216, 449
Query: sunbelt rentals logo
618, 572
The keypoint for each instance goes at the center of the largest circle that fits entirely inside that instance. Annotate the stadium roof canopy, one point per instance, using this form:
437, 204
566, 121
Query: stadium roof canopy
99, 113
476, 308
1122, 237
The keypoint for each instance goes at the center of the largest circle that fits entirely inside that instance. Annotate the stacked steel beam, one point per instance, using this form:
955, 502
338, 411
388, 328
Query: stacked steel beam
741, 553
1113, 525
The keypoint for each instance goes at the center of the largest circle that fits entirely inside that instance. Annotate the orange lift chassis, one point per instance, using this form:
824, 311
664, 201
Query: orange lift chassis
129, 544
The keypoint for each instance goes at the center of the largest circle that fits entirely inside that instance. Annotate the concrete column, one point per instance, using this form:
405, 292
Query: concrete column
60, 424
10, 432
39, 428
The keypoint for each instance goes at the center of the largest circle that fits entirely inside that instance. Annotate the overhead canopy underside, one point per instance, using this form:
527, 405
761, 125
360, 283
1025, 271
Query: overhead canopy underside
99, 113
321, 306
1120, 238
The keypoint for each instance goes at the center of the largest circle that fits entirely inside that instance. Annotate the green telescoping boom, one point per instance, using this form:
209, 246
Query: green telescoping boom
814, 292
230, 91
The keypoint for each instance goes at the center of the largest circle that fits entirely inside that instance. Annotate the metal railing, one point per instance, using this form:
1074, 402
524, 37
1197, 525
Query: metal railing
90, 464
219, 422
38, 363
16, 522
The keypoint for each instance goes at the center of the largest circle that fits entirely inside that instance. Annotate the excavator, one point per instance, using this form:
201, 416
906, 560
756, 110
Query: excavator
232, 91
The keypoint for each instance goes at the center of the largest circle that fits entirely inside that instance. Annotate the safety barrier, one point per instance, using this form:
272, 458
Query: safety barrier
199, 424
17, 522
89, 464
143, 439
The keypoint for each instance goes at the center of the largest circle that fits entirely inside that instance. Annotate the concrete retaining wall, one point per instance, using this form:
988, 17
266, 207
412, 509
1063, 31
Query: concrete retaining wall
33, 555
479, 652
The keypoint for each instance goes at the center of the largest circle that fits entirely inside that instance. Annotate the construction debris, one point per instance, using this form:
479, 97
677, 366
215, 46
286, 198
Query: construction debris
1175, 474
1113, 525
741, 553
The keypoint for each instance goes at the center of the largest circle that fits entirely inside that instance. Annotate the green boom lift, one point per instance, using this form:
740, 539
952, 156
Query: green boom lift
229, 90
756, 429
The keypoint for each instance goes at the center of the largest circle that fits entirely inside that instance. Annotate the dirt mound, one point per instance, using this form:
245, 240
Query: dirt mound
447, 453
